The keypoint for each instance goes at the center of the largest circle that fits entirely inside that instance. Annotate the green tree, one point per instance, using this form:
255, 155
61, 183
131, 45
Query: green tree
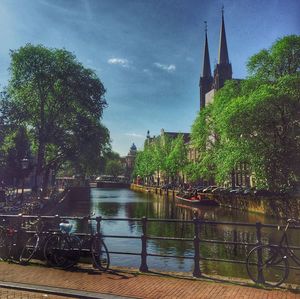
15, 147
114, 168
255, 121
161, 149
61, 102
264, 131
144, 163
177, 158
283, 58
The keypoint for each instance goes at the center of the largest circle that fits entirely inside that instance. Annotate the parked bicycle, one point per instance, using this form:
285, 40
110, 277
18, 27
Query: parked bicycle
268, 264
8, 242
98, 249
35, 243
63, 249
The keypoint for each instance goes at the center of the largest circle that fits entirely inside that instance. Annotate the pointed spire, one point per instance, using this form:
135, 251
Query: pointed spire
206, 72
223, 51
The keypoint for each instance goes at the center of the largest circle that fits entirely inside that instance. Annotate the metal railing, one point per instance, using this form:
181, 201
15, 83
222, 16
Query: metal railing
20, 220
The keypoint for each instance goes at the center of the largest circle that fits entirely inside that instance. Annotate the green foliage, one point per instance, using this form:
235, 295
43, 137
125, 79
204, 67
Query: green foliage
255, 121
283, 58
177, 158
114, 168
15, 147
61, 103
164, 156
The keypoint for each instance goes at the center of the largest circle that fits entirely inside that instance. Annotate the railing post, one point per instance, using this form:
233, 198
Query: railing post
197, 271
17, 245
143, 266
260, 275
98, 220
235, 237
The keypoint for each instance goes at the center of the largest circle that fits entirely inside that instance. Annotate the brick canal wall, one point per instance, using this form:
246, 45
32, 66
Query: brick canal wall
278, 206
283, 207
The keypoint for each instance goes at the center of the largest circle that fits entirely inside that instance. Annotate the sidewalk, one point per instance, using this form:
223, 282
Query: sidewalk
124, 284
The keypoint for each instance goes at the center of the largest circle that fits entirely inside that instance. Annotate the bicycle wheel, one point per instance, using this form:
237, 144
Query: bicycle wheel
29, 249
76, 245
57, 252
267, 265
100, 254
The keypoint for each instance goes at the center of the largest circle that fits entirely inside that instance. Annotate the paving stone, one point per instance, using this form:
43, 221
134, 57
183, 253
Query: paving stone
127, 284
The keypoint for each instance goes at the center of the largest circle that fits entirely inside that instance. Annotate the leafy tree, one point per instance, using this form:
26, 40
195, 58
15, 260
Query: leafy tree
144, 163
164, 156
15, 147
255, 121
264, 130
204, 137
114, 168
283, 58
161, 149
177, 159
61, 102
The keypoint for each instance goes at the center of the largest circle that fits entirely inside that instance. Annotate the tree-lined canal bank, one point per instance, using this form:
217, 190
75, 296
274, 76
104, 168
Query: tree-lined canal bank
283, 206
124, 203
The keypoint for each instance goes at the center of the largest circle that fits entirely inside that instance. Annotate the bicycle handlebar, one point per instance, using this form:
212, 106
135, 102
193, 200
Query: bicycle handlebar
294, 221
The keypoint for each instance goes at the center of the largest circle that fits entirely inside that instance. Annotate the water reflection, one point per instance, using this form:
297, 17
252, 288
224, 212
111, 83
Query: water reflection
123, 203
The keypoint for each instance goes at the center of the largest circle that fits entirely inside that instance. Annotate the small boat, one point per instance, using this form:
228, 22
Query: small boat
197, 200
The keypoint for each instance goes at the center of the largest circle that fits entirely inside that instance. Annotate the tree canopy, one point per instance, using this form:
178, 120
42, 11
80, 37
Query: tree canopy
60, 103
255, 121
164, 156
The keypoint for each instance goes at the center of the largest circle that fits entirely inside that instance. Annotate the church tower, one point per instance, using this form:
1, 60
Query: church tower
206, 79
223, 70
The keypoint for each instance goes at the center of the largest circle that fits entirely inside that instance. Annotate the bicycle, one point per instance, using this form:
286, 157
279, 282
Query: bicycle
63, 249
268, 264
98, 249
8, 242
35, 243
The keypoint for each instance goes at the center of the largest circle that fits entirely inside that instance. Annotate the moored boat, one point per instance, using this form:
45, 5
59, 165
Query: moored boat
197, 200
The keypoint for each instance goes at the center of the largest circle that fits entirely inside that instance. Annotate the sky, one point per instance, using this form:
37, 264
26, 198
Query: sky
147, 53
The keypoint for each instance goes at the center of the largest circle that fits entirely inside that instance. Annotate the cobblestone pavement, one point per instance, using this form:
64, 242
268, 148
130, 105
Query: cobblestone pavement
130, 284
13, 294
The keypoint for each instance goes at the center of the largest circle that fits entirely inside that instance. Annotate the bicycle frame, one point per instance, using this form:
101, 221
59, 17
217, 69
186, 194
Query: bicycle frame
285, 246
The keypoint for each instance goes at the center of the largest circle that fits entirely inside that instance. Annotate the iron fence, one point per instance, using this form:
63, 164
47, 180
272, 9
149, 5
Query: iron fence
20, 221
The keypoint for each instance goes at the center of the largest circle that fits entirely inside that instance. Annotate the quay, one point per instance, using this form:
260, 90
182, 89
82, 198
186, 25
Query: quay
18, 281
275, 206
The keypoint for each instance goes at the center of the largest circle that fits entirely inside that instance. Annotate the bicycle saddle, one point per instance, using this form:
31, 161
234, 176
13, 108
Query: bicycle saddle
65, 227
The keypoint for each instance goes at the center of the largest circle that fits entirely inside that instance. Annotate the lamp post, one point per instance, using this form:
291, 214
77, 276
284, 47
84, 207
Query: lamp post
24, 166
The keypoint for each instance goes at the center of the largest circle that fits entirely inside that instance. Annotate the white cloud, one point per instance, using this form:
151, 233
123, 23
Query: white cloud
119, 61
135, 135
168, 68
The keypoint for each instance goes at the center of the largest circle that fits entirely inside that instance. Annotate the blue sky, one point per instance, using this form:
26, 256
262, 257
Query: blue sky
148, 53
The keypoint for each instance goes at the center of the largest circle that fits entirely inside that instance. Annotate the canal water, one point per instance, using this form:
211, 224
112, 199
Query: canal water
124, 203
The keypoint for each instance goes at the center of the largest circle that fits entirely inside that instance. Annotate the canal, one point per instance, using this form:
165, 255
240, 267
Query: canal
124, 203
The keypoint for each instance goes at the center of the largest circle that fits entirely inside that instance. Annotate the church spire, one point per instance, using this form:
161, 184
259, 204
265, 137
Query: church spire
223, 51
206, 79
223, 70
206, 72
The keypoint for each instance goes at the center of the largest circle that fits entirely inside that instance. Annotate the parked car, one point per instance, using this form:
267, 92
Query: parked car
237, 190
248, 191
218, 190
168, 186
200, 188
209, 189
262, 192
